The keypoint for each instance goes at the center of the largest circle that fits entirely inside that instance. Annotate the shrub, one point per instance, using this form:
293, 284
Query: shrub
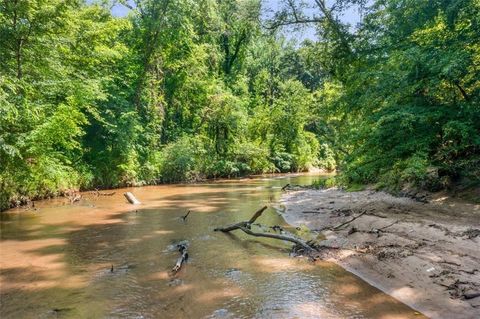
306, 152
283, 161
179, 160
252, 158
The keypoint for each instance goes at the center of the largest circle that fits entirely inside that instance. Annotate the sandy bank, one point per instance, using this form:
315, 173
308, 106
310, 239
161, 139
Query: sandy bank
425, 254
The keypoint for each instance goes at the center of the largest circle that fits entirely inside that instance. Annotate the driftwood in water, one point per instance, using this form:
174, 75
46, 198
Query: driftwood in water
131, 199
276, 236
182, 259
184, 218
285, 187
75, 198
246, 225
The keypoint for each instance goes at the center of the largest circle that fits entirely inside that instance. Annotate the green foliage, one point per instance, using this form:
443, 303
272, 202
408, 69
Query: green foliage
180, 160
194, 158
283, 161
182, 90
326, 157
252, 158
50, 101
406, 106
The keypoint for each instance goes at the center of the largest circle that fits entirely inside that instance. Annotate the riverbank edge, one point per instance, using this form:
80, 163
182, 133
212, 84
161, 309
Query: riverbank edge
412, 284
24, 200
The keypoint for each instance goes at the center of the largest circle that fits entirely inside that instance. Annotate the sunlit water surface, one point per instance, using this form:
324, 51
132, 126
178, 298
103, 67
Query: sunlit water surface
56, 260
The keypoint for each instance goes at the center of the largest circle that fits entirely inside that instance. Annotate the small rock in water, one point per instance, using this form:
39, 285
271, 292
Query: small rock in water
232, 271
220, 313
175, 282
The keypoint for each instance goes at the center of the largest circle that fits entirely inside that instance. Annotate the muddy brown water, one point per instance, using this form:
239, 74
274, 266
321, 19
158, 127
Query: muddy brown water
56, 260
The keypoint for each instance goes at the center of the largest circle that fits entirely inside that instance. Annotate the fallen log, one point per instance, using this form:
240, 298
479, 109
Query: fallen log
247, 224
181, 260
257, 214
276, 236
246, 228
131, 199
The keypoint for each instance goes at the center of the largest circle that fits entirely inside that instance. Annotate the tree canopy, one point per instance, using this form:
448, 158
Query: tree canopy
183, 90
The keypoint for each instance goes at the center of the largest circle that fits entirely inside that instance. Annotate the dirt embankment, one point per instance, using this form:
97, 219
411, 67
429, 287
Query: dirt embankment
426, 254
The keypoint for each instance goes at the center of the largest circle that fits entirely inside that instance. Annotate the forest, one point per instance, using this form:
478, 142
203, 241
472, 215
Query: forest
187, 90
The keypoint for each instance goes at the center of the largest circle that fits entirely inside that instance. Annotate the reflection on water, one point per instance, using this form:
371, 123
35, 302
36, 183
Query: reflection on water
56, 261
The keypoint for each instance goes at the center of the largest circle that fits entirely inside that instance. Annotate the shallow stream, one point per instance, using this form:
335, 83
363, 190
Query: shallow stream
56, 260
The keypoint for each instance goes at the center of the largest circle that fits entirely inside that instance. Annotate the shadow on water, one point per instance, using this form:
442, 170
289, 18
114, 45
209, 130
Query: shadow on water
57, 262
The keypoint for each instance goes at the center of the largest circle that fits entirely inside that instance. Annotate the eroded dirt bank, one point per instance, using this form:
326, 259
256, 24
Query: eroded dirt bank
424, 254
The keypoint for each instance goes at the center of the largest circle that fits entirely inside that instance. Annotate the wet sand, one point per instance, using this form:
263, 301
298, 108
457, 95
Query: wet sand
426, 255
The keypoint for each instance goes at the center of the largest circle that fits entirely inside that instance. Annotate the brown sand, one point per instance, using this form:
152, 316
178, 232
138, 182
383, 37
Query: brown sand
427, 255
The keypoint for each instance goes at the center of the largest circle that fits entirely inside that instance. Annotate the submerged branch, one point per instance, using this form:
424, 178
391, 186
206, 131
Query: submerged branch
257, 214
275, 236
245, 227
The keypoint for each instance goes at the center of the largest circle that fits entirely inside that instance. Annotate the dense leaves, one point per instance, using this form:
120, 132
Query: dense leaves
415, 86
182, 90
